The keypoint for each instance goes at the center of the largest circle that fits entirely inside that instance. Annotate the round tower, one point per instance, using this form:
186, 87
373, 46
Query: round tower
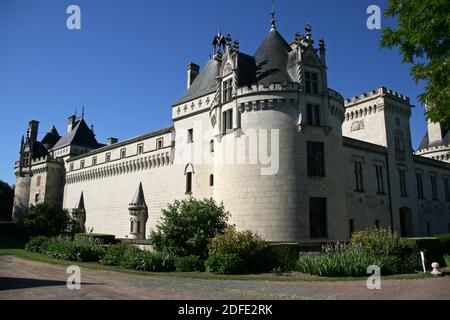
138, 215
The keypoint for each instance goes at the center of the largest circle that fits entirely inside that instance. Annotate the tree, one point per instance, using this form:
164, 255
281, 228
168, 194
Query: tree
45, 220
423, 39
188, 226
6, 200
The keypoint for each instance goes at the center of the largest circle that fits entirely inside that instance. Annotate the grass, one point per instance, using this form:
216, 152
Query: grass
286, 277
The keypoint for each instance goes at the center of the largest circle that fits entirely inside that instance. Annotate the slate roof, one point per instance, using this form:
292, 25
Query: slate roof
425, 143
51, 138
38, 151
138, 198
80, 203
81, 136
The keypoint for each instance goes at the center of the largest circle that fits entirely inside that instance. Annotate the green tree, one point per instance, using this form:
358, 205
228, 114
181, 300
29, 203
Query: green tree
187, 227
423, 39
6, 200
44, 220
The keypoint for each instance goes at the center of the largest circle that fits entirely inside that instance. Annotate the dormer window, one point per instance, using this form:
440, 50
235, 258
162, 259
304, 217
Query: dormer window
311, 83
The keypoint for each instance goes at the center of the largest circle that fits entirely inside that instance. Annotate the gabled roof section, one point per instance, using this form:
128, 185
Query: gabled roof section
80, 136
51, 138
204, 84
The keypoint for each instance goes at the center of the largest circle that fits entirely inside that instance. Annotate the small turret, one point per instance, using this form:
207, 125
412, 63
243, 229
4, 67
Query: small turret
79, 214
138, 215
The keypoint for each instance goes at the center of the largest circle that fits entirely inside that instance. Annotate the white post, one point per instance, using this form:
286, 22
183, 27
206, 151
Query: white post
422, 256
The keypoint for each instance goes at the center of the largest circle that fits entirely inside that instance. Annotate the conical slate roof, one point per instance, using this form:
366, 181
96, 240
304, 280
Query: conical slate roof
80, 203
80, 136
138, 199
272, 59
425, 143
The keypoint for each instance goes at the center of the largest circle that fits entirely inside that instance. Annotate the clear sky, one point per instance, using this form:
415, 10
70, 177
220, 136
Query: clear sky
127, 64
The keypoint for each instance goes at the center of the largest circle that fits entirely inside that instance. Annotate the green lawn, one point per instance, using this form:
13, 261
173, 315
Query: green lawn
15, 247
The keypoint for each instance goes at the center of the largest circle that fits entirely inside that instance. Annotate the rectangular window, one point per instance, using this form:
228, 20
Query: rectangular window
138, 227
131, 227
313, 114
377, 224
94, 161
380, 179
36, 198
108, 157
82, 164
358, 170
123, 153
71, 167
419, 182
188, 182
227, 91
38, 181
318, 217
140, 148
315, 155
190, 137
159, 143
434, 187
446, 189
227, 121
402, 177
311, 83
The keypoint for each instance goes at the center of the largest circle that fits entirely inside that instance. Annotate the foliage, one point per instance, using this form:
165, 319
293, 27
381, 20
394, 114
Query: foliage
131, 257
187, 226
226, 263
190, 264
96, 238
285, 255
423, 39
444, 240
431, 247
65, 249
378, 242
37, 244
253, 252
44, 220
6, 200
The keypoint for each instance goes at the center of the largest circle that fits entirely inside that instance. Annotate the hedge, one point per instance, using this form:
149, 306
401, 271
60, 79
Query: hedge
444, 240
431, 246
286, 255
96, 238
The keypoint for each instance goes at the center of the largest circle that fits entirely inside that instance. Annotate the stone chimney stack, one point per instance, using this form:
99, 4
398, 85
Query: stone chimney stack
71, 123
33, 128
111, 141
192, 73
434, 132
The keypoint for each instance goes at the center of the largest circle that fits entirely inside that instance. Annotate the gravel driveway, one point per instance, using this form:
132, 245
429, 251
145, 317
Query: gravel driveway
22, 279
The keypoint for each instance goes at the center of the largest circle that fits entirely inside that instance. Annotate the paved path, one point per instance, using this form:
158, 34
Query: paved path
22, 279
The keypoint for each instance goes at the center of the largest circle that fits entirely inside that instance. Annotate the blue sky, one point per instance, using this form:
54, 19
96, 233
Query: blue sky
127, 64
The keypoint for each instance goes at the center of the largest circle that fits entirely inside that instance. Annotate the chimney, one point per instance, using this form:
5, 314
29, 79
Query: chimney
434, 132
33, 128
111, 141
192, 73
71, 123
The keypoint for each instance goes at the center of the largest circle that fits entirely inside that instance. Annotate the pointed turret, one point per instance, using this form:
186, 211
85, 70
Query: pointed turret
79, 214
138, 215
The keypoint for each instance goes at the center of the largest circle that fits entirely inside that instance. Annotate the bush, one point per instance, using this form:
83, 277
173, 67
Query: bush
37, 244
431, 246
44, 220
444, 240
227, 263
96, 238
285, 255
65, 249
377, 242
188, 226
115, 254
190, 264
254, 253
148, 261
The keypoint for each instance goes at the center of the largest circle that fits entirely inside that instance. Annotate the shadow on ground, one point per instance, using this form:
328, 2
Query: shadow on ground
7, 283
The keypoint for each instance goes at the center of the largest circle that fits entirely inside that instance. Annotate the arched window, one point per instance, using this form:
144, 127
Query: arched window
211, 180
188, 172
211, 146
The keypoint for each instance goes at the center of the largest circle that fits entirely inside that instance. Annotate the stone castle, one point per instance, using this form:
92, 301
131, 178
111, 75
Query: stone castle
289, 157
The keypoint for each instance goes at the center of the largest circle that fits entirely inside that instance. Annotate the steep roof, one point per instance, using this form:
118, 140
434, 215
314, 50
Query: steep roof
204, 84
80, 203
80, 136
38, 150
272, 59
51, 138
138, 198
425, 143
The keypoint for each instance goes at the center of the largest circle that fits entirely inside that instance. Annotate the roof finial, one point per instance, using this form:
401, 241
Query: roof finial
273, 27
82, 112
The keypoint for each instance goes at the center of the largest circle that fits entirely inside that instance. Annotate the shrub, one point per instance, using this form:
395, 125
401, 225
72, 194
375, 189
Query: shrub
190, 264
378, 242
115, 254
253, 252
149, 261
187, 227
37, 244
96, 238
431, 246
285, 255
44, 220
444, 240
227, 263
65, 249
